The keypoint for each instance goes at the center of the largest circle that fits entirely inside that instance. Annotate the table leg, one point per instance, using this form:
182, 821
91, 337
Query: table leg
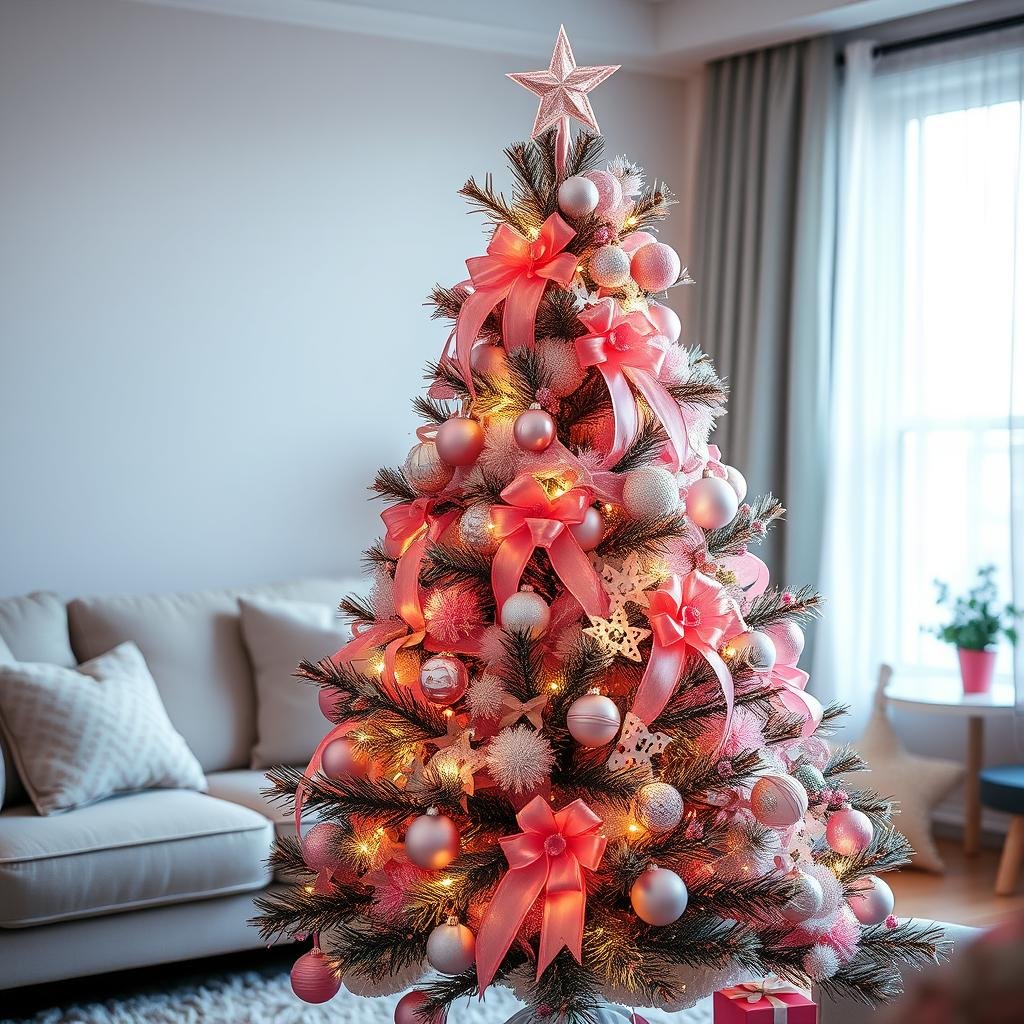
972, 795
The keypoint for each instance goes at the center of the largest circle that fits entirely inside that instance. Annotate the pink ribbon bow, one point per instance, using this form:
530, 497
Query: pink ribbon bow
517, 270
530, 520
792, 695
770, 990
692, 613
547, 858
623, 347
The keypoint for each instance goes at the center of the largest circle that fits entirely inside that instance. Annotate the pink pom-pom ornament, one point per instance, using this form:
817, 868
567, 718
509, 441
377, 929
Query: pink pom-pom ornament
655, 266
313, 981
849, 832
609, 191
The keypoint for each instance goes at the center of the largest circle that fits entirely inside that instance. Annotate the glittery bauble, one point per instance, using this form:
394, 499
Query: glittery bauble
313, 981
460, 441
593, 720
560, 366
809, 777
476, 530
788, 638
820, 962
424, 469
451, 948
342, 759
650, 491
408, 1007
753, 650
635, 239
432, 841
588, 534
871, 899
659, 896
320, 846
489, 360
609, 191
659, 807
609, 267
778, 801
737, 481
525, 612
443, 679
711, 503
534, 430
578, 196
666, 320
655, 266
331, 701
807, 899
849, 832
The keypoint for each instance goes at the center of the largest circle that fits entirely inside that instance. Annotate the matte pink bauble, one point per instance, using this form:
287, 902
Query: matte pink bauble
871, 899
849, 832
711, 503
342, 759
407, 1009
432, 841
451, 948
788, 638
459, 441
655, 266
443, 679
331, 700
778, 801
313, 981
425, 470
320, 846
666, 320
635, 240
609, 191
578, 196
593, 720
737, 481
489, 360
590, 532
609, 267
659, 896
534, 430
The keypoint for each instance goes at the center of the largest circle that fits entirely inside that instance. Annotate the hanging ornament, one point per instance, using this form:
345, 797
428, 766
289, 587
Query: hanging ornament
609, 191
443, 679
331, 701
534, 430
659, 896
313, 981
711, 503
489, 361
871, 899
659, 807
590, 532
616, 636
432, 840
737, 481
849, 832
609, 267
459, 441
320, 846
788, 638
560, 366
409, 1007
628, 584
578, 197
593, 719
753, 650
456, 756
424, 469
343, 759
520, 759
637, 744
810, 778
807, 898
476, 530
665, 319
650, 491
451, 947
655, 267
526, 612
778, 801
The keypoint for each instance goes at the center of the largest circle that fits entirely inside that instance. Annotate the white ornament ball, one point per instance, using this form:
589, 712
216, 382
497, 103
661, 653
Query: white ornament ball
659, 807
525, 612
475, 529
659, 896
849, 832
788, 638
820, 962
588, 534
444, 679
578, 196
609, 267
424, 469
593, 720
650, 491
754, 650
451, 948
871, 900
609, 191
778, 801
806, 901
560, 366
432, 841
737, 481
655, 266
666, 320
711, 503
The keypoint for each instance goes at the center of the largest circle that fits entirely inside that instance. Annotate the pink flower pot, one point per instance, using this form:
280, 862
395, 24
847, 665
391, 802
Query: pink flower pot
976, 669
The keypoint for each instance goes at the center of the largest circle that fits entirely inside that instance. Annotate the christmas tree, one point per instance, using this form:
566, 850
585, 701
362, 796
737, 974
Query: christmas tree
571, 750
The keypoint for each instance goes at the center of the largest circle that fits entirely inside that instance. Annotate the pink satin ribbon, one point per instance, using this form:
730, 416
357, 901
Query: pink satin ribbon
623, 348
547, 859
793, 696
517, 270
532, 520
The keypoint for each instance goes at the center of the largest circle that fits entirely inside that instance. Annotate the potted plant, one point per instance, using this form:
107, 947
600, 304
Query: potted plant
976, 624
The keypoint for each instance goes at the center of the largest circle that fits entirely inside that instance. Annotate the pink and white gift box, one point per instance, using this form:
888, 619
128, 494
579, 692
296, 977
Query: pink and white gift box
771, 1001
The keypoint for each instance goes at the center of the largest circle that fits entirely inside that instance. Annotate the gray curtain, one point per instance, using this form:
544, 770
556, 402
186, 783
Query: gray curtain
763, 269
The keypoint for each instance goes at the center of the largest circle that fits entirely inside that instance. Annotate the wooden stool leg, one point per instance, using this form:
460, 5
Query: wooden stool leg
972, 793
1013, 856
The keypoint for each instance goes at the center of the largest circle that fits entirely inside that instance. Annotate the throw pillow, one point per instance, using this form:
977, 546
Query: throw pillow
79, 735
278, 635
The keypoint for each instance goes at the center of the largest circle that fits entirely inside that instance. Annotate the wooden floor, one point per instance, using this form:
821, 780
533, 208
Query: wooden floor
963, 895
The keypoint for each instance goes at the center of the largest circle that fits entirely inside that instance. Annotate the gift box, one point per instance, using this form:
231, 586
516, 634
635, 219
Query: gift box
771, 1001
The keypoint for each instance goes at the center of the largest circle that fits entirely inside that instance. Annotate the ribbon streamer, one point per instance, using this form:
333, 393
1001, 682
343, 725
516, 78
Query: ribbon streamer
793, 696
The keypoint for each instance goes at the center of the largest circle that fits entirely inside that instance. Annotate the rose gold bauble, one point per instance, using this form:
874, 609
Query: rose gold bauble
849, 832
589, 533
443, 679
432, 841
666, 320
331, 700
320, 846
424, 469
578, 196
342, 759
871, 899
655, 267
609, 267
609, 191
489, 360
778, 801
659, 896
408, 1007
451, 948
534, 430
313, 981
593, 720
788, 638
459, 441
525, 612
711, 503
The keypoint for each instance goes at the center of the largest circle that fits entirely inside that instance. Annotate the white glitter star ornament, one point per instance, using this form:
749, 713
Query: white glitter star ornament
616, 636
627, 584
636, 744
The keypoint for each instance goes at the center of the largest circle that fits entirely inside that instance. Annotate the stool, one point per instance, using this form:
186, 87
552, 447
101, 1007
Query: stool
1002, 789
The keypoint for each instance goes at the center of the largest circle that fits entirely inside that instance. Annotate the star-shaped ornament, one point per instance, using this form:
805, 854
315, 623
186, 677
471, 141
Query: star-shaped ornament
637, 744
460, 758
616, 636
563, 87
627, 585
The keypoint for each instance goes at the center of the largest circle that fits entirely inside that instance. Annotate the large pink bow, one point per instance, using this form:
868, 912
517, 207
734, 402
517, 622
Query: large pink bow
623, 347
517, 270
689, 613
530, 520
546, 857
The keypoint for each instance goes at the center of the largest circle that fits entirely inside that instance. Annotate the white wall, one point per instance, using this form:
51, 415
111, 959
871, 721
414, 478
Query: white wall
215, 239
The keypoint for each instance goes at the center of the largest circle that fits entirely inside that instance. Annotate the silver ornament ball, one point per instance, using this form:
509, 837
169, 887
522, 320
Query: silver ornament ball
525, 612
753, 650
806, 900
659, 807
589, 533
578, 196
476, 530
534, 430
650, 491
711, 503
593, 720
659, 896
443, 679
560, 366
424, 469
451, 948
460, 441
778, 801
609, 267
871, 900
432, 841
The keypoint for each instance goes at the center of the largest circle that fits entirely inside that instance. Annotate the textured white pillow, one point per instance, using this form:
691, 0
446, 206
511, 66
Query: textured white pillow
79, 735
278, 635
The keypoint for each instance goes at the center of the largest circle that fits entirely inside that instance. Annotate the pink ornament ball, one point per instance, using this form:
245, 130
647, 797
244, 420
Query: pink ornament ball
451, 948
666, 320
849, 832
459, 441
593, 720
711, 503
778, 801
609, 267
590, 532
737, 481
320, 846
534, 430
871, 900
655, 266
578, 196
407, 1010
432, 841
313, 981
331, 701
609, 191
443, 679
788, 638
342, 759
489, 361
754, 650
635, 240
425, 470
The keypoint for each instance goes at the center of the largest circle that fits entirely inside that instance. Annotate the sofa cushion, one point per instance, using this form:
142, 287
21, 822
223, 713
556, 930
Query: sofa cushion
35, 628
6, 658
128, 852
244, 787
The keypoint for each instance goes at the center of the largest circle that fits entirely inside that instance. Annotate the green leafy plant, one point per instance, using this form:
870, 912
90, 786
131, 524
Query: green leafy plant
977, 620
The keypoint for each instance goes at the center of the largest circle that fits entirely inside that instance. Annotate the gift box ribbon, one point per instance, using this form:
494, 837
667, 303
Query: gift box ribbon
769, 989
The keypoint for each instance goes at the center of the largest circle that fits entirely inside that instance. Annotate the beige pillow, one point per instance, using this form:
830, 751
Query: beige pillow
79, 735
278, 635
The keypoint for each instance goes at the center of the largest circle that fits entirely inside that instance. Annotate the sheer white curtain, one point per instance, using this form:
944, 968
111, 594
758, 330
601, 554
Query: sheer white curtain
928, 404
